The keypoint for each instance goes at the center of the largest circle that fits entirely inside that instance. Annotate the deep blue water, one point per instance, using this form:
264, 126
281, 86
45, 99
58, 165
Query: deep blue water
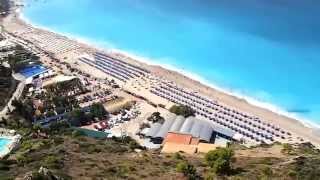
266, 49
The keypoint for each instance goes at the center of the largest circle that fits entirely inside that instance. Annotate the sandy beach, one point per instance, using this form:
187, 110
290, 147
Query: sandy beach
290, 124
71, 49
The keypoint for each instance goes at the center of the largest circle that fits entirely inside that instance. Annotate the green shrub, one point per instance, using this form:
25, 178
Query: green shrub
93, 149
186, 169
36, 128
52, 161
287, 148
267, 171
22, 159
58, 140
26, 145
267, 160
178, 156
219, 160
210, 176
38, 145
58, 127
123, 171
292, 174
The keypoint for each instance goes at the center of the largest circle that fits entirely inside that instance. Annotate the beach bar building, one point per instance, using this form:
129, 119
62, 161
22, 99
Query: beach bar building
178, 142
204, 130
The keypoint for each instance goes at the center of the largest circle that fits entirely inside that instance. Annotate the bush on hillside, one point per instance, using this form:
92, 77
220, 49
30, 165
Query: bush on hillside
187, 169
219, 160
287, 148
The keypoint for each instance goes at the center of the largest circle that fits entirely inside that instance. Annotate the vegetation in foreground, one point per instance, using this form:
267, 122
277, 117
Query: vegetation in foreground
59, 147
68, 154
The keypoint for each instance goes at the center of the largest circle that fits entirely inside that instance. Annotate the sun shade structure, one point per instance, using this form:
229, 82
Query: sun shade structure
187, 125
177, 124
165, 128
197, 128
114, 67
206, 132
154, 129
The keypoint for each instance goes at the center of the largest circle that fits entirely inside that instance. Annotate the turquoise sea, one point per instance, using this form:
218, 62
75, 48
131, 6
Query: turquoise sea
268, 50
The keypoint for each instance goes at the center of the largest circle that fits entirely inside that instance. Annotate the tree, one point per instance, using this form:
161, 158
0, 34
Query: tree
25, 109
36, 128
98, 110
50, 113
219, 160
156, 118
187, 169
182, 110
60, 101
17, 104
56, 127
77, 117
60, 110
21, 58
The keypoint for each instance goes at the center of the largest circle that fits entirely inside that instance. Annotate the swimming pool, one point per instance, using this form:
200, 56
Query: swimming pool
33, 71
4, 142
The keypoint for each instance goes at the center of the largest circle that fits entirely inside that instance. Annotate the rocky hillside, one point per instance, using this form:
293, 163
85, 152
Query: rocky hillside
68, 154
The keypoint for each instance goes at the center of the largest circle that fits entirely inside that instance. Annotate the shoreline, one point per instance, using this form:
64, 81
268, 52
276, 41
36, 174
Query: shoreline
103, 46
242, 97
266, 111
